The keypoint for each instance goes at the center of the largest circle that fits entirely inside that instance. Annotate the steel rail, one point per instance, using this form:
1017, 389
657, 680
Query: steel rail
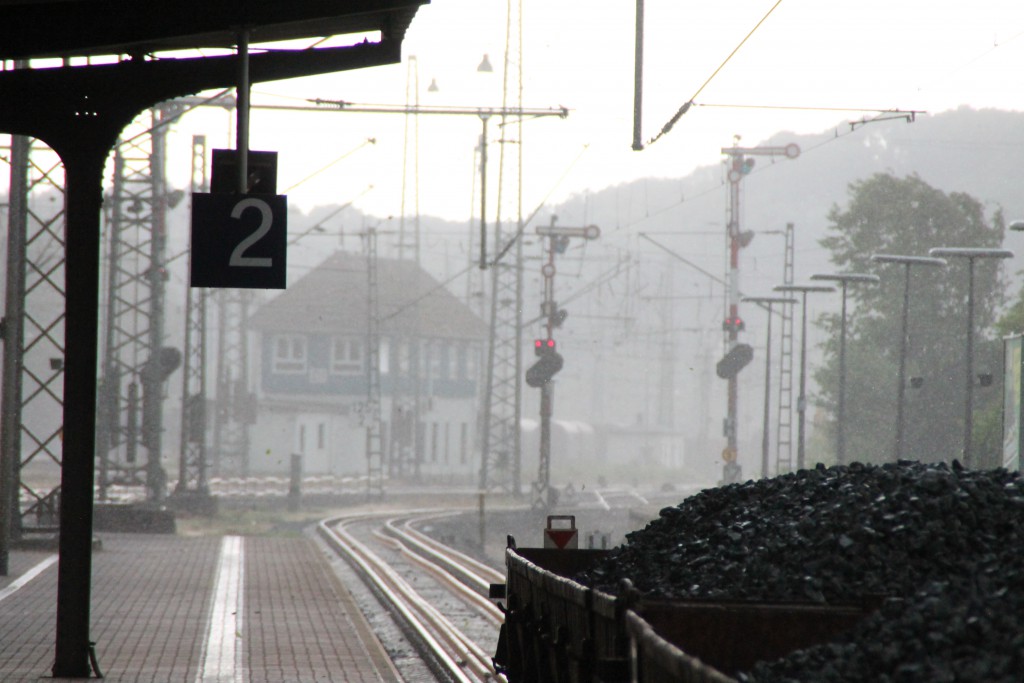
452, 651
469, 653
453, 583
467, 564
473, 573
346, 546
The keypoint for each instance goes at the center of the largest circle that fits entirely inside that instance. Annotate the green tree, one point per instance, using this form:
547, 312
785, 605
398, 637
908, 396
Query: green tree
889, 215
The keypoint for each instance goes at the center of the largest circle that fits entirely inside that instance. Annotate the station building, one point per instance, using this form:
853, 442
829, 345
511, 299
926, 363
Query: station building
312, 375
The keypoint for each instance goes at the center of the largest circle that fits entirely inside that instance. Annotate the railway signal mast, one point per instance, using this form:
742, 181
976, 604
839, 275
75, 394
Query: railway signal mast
539, 375
737, 354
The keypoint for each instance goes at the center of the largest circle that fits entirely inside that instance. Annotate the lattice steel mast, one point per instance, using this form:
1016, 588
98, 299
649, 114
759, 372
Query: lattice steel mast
372, 413
500, 463
407, 424
135, 364
192, 464
235, 405
33, 335
784, 433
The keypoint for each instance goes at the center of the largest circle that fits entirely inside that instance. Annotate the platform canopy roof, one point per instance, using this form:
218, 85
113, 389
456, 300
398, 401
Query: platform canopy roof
32, 29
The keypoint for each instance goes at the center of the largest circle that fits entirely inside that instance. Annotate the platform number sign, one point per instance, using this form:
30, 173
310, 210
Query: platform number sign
239, 240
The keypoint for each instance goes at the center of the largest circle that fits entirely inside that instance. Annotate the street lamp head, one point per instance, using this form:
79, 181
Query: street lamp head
768, 300
433, 86
908, 260
803, 289
847, 277
1017, 225
970, 252
485, 66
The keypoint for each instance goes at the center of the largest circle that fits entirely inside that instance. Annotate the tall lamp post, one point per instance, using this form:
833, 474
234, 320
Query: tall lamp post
971, 254
767, 301
844, 279
801, 401
901, 387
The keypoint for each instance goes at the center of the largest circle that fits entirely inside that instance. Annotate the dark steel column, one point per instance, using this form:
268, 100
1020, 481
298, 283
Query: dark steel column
83, 174
841, 420
767, 395
901, 386
969, 369
14, 339
801, 401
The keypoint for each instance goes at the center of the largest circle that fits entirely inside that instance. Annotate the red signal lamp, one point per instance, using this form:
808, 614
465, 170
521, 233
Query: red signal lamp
543, 346
733, 324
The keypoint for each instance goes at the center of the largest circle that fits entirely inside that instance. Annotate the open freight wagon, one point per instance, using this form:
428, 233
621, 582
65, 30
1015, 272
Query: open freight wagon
559, 631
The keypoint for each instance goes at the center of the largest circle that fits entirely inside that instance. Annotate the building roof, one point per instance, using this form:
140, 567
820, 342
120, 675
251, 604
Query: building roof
332, 299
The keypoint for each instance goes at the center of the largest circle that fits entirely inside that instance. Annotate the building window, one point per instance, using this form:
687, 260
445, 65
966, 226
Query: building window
385, 356
452, 364
433, 443
473, 352
403, 354
346, 356
321, 436
447, 440
289, 354
463, 442
436, 351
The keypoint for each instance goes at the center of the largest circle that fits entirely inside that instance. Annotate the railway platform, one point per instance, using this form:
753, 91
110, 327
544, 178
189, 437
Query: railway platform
208, 609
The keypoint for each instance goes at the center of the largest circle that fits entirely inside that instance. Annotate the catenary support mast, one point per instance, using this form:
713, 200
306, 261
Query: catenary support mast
193, 480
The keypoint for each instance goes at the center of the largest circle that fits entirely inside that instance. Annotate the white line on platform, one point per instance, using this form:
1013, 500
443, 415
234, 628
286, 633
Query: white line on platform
32, 573
221, 660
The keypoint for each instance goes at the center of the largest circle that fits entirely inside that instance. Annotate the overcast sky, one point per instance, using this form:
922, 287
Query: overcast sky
874, 54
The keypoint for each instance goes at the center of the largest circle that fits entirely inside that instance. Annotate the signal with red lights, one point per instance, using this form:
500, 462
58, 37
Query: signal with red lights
542, 346
733, 325
547, 366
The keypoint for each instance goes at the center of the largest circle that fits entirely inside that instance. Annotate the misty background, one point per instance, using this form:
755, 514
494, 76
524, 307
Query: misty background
643, 332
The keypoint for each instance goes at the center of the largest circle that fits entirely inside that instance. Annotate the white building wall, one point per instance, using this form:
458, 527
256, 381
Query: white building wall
334, 442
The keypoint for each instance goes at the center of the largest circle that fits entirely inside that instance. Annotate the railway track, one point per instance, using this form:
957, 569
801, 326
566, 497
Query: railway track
436, 595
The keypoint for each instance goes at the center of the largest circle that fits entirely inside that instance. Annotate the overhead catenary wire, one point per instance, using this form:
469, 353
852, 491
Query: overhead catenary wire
710, 191
783, 107
424, 295
529, 219
607, 275
689, 103
367, 141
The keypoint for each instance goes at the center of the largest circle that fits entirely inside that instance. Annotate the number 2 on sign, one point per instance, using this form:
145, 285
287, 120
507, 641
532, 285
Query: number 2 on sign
238, 257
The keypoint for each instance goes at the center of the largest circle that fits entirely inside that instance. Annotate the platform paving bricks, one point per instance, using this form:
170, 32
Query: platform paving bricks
301, 624
151, 599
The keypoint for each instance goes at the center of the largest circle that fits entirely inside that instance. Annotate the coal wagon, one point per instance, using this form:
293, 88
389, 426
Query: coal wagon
557, 630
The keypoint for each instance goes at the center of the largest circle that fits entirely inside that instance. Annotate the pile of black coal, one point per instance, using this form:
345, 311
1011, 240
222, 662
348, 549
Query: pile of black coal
931, 537
948, 632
